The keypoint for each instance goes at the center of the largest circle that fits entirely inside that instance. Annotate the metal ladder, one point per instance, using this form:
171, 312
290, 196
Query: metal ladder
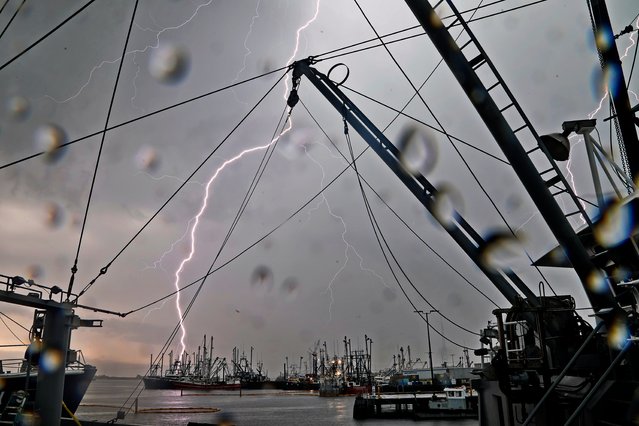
478, 59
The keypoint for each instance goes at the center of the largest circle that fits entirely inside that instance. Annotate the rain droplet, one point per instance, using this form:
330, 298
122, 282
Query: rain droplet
50, 138
448, 203
454, 299
290, 288
51, 360
500, 251
18, 108
34, 272
596, 281
169, 64
418, 151
612, 78
616, 225
54, 215
147, 159
389, 294
296, 143
262, 279
604, 38
618, 334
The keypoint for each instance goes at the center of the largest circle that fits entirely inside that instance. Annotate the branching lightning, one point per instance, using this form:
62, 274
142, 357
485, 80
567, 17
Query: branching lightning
594, 113
197, 217
135, 51
246, 48
347, 244
196, 221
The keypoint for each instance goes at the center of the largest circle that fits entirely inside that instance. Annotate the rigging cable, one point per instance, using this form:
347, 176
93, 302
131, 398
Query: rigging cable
150, 114
106, 267
397, 215
253, 185
11, 331
133, 120
453, 145
57, 27
378, 233
15, 322
634, 59
259, 240
74, 268
12, 17
418, 34
3, 6
417, 120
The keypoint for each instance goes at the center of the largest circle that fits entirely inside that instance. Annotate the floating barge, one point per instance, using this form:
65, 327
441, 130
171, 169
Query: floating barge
451, 403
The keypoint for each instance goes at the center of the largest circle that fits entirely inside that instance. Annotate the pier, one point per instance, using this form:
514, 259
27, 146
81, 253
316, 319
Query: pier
451, 403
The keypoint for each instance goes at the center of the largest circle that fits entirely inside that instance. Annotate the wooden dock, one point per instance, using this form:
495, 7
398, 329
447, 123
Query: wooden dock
450, 404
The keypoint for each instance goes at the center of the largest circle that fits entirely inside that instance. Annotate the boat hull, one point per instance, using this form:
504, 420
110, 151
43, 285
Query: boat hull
76, 383
163, 383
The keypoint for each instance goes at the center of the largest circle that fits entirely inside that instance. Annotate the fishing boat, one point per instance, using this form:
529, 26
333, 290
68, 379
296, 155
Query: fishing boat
549, 365
44, 365
196, 371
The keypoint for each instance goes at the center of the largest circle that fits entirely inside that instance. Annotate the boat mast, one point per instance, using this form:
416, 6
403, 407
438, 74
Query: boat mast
508, 141
617, 89
59, 320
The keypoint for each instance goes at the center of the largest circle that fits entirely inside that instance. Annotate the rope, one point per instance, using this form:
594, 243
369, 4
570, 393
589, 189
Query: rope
106, 267
74, 268
35, 43
12, 17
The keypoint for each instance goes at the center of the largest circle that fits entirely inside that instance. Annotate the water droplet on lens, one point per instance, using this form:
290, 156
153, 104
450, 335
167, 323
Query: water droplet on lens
604, 38
147, 159
618, 334
262, 279
500, 251
50, 138
18, 107
296, 143
290, 288
34, 272
169, 64
54, 215
454, 299
417, 150
615, 226
596, 281
447, 205
612, 78
51, 360
389, 294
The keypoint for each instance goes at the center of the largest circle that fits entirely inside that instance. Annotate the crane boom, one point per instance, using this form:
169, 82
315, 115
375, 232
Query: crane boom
506, 281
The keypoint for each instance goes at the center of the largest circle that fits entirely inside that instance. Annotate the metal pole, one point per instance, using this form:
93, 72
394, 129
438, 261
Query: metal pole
430, 351
420, 187
509, 144
610, 58
552, 387
50, 388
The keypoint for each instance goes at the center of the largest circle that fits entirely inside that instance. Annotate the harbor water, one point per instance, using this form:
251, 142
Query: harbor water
254, 407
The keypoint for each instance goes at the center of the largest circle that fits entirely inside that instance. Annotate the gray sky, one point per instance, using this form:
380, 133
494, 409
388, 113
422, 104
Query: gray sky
341, 285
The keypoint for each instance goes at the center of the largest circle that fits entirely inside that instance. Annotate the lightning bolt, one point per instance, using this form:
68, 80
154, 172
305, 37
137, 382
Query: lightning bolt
197, 217
143, 50
347, 244
592, 115
196, 220
246, 48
